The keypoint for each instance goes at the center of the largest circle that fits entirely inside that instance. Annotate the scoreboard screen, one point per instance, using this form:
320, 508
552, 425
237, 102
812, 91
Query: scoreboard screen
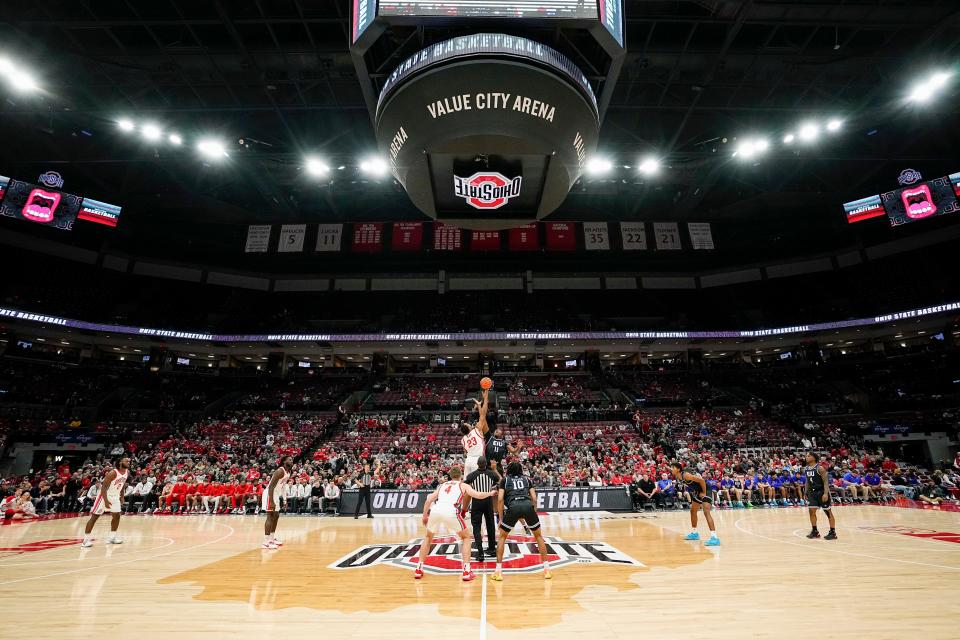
919, 201
587, 9
40, 205
100, 212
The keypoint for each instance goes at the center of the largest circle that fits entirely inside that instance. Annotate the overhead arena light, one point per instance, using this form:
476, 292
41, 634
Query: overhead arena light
649, 166
126, 125
175, 139
598, 166
789, 138
374, 166
212, 148
925, 90
751, 148
809, 131
150, 132
22, 81
316, 167
834, 125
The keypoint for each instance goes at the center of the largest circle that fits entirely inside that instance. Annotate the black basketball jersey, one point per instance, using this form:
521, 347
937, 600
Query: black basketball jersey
692, 485
516, 489
814, 480
496, 448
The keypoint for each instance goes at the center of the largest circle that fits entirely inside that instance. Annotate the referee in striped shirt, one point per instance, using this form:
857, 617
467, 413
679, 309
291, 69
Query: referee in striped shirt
483, 480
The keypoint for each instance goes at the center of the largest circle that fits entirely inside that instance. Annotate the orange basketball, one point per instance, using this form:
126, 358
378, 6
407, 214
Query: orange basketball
486, 383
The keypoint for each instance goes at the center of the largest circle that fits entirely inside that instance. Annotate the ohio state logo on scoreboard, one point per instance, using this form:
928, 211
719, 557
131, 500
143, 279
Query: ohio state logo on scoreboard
520, 555
487, 190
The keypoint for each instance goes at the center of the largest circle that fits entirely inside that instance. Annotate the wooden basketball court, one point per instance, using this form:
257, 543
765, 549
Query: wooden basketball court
893, 572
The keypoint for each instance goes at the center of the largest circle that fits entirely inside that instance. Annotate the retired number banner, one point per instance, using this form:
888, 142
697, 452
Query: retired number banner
634, 236
329, 237
595, 236
667, 235
291, 238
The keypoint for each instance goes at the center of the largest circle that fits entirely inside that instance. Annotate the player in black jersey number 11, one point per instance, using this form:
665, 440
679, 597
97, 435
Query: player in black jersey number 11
818, 497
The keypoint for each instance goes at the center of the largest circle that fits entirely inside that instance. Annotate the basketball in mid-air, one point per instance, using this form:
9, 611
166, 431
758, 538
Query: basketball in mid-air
486, 383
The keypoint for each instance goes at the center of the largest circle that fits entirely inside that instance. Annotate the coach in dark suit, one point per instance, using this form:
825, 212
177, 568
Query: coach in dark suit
483, 480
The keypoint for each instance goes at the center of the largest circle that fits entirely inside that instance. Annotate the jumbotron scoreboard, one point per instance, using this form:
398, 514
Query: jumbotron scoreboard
486, 120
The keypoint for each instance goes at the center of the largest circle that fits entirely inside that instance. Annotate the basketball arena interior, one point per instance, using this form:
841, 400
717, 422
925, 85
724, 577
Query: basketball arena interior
480, 319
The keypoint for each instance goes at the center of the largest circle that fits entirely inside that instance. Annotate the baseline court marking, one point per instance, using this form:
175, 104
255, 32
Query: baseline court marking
170, 541
810, 547
117, 564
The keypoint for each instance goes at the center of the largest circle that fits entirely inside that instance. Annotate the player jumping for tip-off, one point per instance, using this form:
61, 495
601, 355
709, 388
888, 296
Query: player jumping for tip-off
473, 436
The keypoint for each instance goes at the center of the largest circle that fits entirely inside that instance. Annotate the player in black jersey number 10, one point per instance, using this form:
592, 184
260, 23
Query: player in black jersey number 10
818, 497
517, 501
700, 498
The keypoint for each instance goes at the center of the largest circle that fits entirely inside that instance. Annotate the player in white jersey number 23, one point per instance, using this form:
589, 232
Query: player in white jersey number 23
473, 436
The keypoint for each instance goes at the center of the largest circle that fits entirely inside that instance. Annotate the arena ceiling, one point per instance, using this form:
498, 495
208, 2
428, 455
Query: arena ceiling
700, 76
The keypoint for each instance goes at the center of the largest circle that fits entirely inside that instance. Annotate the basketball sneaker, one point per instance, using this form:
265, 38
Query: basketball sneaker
278, 542
813, 535
693, 535
714, 541
546, 574
468, 576
497, 577
417, 573
830, 536
86, 543
117, 540
269, 544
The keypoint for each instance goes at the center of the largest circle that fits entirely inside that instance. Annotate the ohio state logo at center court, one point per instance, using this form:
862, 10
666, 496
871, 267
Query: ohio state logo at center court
521, 555
487, 190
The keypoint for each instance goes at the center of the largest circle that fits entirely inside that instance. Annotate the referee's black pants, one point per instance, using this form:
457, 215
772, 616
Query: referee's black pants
364, 496
480, 509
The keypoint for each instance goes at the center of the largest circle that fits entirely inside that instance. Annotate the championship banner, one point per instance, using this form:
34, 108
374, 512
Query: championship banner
447, 237
561, 236
595, 236
368, 237
329, 237
407, 236
291, 238
667, 235
399, 501
484, 241
525, 238
258, 238
700, 235
633, 236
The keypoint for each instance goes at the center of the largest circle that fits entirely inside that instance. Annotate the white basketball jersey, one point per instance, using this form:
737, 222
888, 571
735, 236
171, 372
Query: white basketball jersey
278, 490
116, 487
473, 444
450, 494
